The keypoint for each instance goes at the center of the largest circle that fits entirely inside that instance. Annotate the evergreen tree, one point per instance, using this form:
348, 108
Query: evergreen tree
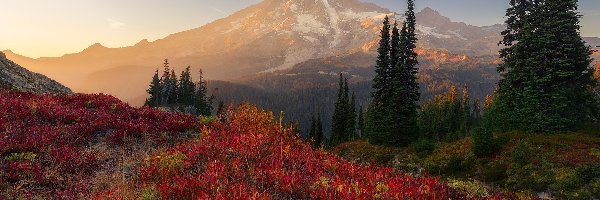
186, 88
154, 91
163, 98
394, 48
454, 110
202, 102
597, 77
381, 83
350, 115
339, 129
476, 111
312, 133
173, 85
406, 95
320, 136
361, 122
379, 120
546, 73
466, 115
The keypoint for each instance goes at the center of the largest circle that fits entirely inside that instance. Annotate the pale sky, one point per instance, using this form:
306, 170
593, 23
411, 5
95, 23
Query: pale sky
48, 28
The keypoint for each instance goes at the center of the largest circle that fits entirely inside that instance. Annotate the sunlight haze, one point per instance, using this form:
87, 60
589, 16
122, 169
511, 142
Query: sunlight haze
38, 28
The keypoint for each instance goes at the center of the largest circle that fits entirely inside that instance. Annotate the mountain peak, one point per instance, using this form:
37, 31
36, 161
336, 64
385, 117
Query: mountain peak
95, 47
142, 42
429, 11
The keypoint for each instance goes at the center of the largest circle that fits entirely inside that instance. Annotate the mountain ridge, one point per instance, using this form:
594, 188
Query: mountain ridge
15, 77
265, 37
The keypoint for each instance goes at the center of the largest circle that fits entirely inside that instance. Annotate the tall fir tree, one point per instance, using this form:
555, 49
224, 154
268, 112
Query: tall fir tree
379, 120
312, 133
476, 111
320, 135
405, 94
186, 88
173, 85
202, 101
360, 122
546, 73
381, 83
163, 98
394, 57
154, 91
351, 124
339, 128
466, 117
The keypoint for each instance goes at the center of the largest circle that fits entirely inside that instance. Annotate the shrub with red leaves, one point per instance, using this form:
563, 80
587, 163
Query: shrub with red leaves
254, 156
56, 129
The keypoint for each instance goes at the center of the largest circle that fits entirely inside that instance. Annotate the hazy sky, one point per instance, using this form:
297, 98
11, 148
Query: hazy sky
38, 28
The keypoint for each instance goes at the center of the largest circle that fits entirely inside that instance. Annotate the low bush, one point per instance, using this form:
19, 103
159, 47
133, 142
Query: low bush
484, 143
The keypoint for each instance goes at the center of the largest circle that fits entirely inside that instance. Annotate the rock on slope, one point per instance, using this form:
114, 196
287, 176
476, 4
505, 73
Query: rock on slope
13, 76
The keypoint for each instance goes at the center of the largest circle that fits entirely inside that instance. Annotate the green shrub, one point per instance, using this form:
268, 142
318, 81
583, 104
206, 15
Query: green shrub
424, 147
522, 154
28, 156
595, 188
484, 143
587, 173
532, 177
495, 172
595, 152
472, 188
566, 181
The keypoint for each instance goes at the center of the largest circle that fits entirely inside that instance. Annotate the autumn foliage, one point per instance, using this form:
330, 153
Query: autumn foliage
43, 139
45, 146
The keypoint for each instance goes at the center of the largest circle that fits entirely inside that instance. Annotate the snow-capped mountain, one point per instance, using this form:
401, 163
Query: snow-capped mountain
269, 36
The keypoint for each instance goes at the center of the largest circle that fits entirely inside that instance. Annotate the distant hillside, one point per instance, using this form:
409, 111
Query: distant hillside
269, 36
13, 76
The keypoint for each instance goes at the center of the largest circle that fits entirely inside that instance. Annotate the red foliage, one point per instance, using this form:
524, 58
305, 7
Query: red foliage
57, 129
253, 155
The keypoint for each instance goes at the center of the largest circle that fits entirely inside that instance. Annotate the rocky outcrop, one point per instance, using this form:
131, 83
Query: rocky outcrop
15, 77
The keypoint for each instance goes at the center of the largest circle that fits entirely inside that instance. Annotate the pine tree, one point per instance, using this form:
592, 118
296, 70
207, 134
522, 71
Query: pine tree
361, 122
163, 98
202, 102
351, 118
466, 117
339, 128
186, 88
406, 95
154, 91
394, 48
379, 119
381, 83
597, 77
312, 133
320, 136
173, 85
476, 111
546, 73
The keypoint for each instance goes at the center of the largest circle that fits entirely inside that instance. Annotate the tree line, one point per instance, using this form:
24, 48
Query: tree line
392, 116
547, 85
181, 94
